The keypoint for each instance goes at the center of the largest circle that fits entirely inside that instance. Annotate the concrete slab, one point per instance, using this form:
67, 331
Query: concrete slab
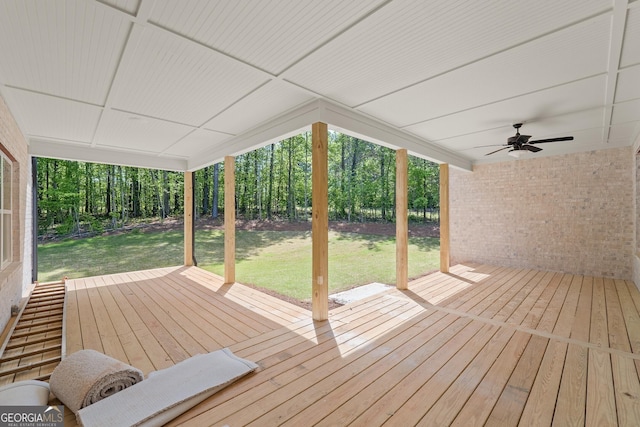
359, 293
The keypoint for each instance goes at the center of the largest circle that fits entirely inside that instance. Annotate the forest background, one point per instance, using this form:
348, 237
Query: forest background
272, 183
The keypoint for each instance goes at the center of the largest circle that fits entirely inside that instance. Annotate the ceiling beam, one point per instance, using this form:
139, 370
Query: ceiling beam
357, 124
338, 118
85, 153
618, 24
289, 124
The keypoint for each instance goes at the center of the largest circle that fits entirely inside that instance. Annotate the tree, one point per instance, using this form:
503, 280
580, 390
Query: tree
271, 182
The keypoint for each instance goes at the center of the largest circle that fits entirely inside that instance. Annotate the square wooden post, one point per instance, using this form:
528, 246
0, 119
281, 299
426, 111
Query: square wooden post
444, 218
402, 220
229, 219
320, 222
188, 218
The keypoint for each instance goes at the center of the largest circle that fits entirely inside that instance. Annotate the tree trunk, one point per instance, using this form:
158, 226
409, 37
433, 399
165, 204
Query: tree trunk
426, 189
383, 181
205, 190
108, 205
306, 174
352, 176
256, 197
290, 187
243, 181
270, 191
122, 195
135, 193
87, 187
343, 176
214, 205
112, 197
165, 194
176, 202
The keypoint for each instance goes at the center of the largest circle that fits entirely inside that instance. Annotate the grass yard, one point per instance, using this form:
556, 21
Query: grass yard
276, 260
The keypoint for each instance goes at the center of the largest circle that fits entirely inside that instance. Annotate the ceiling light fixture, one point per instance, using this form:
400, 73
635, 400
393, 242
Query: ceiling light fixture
519, 153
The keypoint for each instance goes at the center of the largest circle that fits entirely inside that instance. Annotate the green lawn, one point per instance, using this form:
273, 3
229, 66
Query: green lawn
278, 260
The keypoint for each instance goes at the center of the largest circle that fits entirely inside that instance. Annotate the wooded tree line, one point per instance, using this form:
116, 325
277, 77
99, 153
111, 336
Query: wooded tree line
273, 182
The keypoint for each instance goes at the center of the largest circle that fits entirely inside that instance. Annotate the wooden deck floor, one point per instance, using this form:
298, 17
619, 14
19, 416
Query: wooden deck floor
482, 345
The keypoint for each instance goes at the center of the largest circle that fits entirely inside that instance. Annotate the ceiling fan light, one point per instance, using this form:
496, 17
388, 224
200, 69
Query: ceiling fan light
519, 153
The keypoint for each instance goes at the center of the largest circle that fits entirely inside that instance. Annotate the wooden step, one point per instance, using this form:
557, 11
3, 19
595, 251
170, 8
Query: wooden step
58, 300
48, 297
49, 285
31, 310
30, 333
30, 366
35, 341
31, 353
55, 312
47, 292
23, 325
42, 315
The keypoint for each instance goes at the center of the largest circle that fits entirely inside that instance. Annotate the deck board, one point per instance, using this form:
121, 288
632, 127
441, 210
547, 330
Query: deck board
571, 400
601, 405
481, 345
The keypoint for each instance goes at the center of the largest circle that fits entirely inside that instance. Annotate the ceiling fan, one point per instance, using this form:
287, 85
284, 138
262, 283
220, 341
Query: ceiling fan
520, 143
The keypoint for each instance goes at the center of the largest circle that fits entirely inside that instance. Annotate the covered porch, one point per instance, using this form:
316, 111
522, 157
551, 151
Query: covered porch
481, 345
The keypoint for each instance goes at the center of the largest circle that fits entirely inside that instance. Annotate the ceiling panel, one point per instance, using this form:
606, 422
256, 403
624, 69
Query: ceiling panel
626, 112
52, 117
258, 107
172, 79
138, 133
268, 35
65, 48
621, 134
561, 57
628, 84
565, 125
185, 82
196, 142
581, 95
410, 41
631, 45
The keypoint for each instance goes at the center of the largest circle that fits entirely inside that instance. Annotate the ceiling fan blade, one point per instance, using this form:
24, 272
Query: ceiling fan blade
540, 141
491, 145
531, 148
493, 152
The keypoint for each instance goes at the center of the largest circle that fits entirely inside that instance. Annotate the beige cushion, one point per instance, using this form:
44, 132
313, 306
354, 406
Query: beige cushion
25, 393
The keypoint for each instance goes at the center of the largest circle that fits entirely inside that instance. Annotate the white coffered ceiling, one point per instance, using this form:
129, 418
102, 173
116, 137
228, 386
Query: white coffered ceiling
180, 84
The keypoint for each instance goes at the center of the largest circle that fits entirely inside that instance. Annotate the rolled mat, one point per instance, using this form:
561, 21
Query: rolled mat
88, 376
168, 393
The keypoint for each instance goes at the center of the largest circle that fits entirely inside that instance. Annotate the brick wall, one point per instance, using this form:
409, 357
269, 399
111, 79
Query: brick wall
11, 279
636, 258
571, 213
